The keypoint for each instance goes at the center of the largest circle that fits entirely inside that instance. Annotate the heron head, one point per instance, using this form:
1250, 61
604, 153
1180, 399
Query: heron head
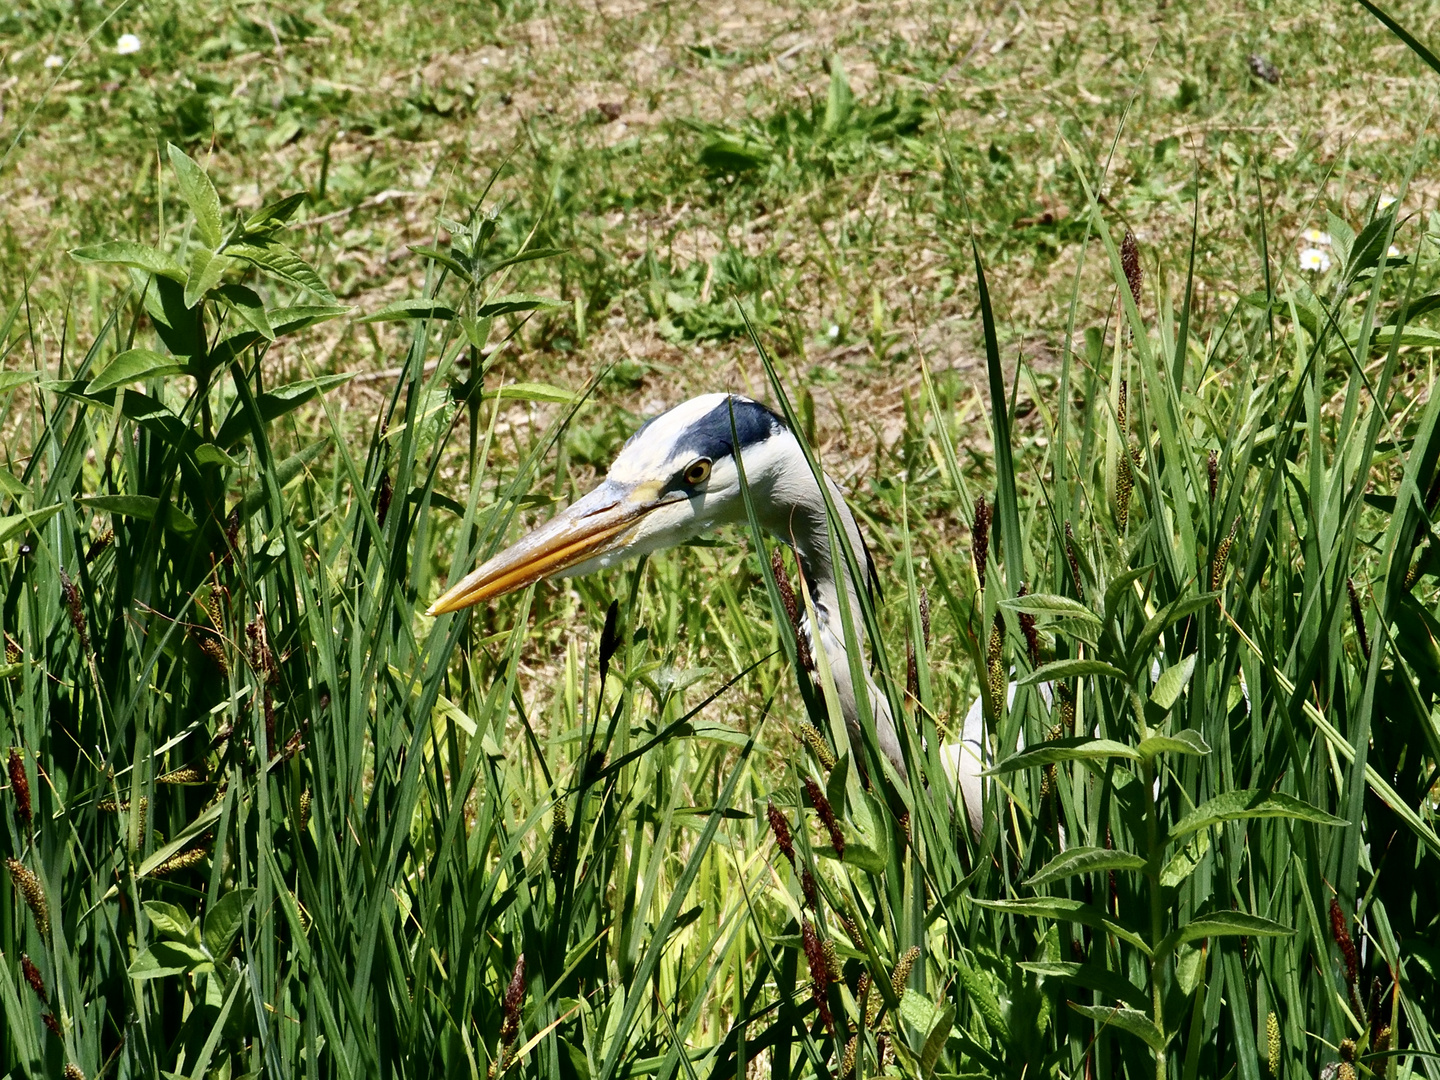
674, 479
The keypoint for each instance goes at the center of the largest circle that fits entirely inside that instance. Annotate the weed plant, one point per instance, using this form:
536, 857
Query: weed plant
262, 817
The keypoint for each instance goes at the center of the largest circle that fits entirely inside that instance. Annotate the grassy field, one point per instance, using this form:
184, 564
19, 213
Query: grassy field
303, 309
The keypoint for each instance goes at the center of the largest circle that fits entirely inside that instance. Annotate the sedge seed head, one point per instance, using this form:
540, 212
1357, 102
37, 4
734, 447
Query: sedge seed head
20, 787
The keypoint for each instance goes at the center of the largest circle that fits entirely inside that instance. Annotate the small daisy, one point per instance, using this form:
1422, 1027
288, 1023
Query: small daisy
54, 60
1314, 259
1316, 237
1387, 201
127, 44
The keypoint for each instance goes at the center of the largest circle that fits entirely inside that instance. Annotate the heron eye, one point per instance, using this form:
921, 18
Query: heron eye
698, 472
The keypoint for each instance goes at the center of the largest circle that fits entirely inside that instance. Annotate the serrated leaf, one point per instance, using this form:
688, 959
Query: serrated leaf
167, 919
1084, 860
1251, 803
512, 302
278, 260
133, 254
1172, 683
1132, 1021
206, 270
1182, 742
131, 366
1072, 669
246, 303
199, 193
400, 310
1065, 910
1077, 748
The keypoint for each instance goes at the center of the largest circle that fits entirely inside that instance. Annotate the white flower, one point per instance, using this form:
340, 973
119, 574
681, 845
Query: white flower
1394, 252
54, 60
1314, 259
127, 44
834, 331
1316, 237
1387, 201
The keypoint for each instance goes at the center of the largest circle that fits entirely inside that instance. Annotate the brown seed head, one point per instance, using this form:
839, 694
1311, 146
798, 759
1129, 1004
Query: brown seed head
819, 972
382, 498
1130, 263
12, 650
1340, 931
827, 815
792, 611
101, 542
32, 976
925, 616
781, 829
73, 1072
807, 886
20, 786
1074, 561
1358, 618
1212, 467
75, 607
514, 998
1032, 636
304, 809
28, 885
52, 1024
1222, 555
186, 774
901, 973
847, 1061
980, 538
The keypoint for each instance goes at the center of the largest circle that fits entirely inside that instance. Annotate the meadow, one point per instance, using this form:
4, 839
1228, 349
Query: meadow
1115, 322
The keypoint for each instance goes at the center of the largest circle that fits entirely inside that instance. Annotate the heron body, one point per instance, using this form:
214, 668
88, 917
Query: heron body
678, 478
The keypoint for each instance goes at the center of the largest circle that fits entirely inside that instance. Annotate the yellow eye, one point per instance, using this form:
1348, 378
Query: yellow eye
698, 472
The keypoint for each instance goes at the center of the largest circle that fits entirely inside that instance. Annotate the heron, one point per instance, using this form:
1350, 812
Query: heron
677, 478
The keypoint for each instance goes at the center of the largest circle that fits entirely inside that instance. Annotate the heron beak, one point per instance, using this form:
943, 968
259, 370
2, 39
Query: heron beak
596, 524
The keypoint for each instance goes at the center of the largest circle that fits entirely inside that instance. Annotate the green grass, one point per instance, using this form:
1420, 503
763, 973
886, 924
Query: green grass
284, 824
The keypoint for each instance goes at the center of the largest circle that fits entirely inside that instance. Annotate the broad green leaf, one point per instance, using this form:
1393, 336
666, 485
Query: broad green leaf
401, 310
1052, 604
173, 954
1072, 669
531, 391
133, 365
1182, 742
977, 984
1189, 966
1065, 910
840, 101
511, 302
287, 320
1132, 1021
524, 256
1251, 803
1084, 860
167, 919
287, 471
9, 380
445, 259
727, 155
1119, 588
272, 215
206, 270
1078, 748
1093, 976
277, 403
1222, 924
142, 507
936, 1039
1172, 682
130, 253
1171, 613
246, 303
16, 524
863, 856
199, 193
222, 921
477, 331
1184, 862
12, 485
917, 1009
278, 260
149, 966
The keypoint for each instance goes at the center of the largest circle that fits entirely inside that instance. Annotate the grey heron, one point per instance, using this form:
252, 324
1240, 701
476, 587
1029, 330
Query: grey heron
676, 479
